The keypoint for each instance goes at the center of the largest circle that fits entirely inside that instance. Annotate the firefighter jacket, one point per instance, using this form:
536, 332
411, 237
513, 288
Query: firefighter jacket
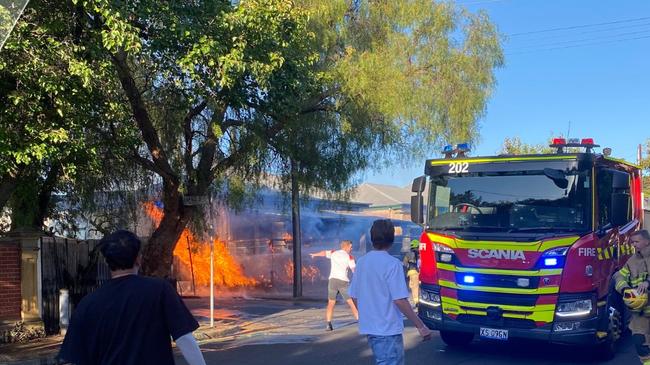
633, 273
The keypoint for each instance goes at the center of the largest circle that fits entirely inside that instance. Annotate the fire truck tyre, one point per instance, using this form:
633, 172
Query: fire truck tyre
454, 339
607, 349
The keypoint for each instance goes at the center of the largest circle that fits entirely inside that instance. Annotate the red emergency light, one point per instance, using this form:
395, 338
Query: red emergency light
561, 143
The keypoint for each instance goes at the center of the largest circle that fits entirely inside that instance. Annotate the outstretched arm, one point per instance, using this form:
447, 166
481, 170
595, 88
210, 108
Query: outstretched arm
190, 349
405, 307
319, 254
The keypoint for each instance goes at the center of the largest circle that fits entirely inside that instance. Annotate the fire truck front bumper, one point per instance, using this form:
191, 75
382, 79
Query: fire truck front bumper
573, 332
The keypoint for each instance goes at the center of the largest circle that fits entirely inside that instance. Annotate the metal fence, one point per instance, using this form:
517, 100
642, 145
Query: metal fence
68, 264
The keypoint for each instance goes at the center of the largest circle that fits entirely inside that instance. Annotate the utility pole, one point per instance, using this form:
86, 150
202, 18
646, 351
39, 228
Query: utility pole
295, 220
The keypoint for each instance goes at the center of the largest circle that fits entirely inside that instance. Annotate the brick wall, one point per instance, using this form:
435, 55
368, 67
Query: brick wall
10, 298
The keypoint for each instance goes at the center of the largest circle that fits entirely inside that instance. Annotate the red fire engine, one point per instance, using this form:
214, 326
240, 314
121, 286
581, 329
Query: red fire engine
525, 246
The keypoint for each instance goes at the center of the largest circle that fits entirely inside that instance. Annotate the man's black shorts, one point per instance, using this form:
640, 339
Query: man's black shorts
337, 286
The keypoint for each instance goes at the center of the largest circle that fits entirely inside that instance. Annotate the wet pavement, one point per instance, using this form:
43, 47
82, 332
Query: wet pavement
270, 331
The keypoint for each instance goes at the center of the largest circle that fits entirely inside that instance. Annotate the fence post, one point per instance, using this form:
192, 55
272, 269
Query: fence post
64, 310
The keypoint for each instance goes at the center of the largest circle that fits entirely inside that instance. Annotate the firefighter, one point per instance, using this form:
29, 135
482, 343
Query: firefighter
632, 282
411, 264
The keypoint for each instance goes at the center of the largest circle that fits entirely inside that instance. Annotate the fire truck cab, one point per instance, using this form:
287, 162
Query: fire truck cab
525, 246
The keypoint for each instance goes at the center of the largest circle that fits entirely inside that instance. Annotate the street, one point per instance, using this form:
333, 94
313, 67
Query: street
270, 331
295, 335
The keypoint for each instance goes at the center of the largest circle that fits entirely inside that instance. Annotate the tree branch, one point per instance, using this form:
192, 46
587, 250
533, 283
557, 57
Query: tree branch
141, 115
187, 131
150, 165
204, 173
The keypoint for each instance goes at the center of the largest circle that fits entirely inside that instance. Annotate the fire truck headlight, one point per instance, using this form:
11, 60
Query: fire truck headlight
446, 257
578, 308
429, 298
439, 247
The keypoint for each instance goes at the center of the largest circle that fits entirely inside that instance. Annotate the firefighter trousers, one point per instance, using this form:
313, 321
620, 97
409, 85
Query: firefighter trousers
414, 285
640, 327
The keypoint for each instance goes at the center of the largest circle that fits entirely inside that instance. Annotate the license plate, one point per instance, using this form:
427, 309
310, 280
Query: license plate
495, 334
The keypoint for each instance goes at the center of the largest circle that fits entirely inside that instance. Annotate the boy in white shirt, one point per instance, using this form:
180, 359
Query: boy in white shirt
338, 280
379, 290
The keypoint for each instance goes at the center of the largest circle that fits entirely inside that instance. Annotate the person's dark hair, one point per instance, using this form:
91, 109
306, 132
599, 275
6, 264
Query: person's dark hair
120, 249
643, 233
382, 234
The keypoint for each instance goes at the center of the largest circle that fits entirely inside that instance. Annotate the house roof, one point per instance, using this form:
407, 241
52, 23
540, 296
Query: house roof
381, 195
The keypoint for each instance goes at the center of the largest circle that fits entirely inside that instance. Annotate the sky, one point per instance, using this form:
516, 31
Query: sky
591, 80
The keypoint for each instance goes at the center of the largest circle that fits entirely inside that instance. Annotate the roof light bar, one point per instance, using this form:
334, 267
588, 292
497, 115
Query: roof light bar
561, 143
459, 149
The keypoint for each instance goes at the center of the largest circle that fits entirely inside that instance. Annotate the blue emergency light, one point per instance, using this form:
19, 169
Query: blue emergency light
464, 147
551, 261
448, 149
469, 279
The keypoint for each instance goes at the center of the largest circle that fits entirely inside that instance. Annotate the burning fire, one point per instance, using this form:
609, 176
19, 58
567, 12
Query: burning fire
192, 253
309, 272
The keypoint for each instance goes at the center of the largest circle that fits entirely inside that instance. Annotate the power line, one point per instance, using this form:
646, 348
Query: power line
578, 26
579, 45
641, 32
554, 36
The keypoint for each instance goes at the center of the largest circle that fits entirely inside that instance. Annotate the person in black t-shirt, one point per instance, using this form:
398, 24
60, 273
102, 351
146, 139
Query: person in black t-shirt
130, 319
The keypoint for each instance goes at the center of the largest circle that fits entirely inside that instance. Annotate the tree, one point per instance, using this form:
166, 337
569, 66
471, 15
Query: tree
54, 110
223, 93
396, 80
514, 146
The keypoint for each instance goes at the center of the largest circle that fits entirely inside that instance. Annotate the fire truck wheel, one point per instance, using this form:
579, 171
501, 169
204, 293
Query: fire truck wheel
607, 349
456, 338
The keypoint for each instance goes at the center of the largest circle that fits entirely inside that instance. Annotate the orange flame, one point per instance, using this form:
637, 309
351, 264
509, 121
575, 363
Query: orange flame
227, 271
309, 272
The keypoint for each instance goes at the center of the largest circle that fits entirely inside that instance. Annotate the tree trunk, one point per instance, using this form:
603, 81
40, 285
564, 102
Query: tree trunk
45, 196
159, 251
8, 184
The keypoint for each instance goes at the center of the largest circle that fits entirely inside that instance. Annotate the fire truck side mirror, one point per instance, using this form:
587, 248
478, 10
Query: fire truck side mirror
620, 209
419, 183
417, 209
620, 180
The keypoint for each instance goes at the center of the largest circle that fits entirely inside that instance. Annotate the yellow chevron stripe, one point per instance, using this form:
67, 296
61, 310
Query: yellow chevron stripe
537, 246
545, 272
501, 159
541, 316
489, 289
606, 253
511, 308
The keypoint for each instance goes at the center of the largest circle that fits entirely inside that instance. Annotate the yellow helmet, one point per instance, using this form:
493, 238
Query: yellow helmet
634, 300
415, 244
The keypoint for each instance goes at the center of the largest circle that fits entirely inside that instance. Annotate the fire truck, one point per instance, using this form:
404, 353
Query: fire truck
525, 246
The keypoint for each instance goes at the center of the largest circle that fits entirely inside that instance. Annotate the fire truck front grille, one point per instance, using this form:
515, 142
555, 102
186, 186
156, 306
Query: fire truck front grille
526, 300
503, 322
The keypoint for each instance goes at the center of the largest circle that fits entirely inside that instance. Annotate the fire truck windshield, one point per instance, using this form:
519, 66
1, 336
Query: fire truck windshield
521, 201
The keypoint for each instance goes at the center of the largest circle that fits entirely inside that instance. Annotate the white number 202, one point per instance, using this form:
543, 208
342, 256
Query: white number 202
458, 167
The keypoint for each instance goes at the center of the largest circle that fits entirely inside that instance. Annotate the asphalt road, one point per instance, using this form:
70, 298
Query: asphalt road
344, 346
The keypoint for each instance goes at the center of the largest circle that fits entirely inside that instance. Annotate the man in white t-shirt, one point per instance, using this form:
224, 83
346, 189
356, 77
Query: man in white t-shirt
379, 290
338, 280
